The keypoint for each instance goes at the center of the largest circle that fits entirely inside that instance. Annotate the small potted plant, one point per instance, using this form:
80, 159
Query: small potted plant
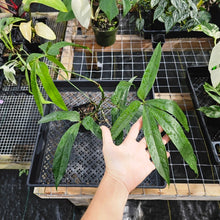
102, 15
154, 111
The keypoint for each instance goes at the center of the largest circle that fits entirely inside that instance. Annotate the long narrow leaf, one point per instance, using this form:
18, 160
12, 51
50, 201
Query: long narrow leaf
171, 107
150, 74
212, 111
124, 119
48, 84
62, 155
36, 91
61, 115
176, 134
156, 147
89, 124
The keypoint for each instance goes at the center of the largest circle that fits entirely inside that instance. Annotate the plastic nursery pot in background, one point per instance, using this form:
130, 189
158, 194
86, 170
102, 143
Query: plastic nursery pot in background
105, 38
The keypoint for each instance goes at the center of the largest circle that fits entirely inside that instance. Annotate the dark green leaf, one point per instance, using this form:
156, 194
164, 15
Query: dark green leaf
43, 72
89, 124
109, 7
66, 16
169, 23
155, 144
124, 119
36, 91
119, 97
176, 134
61, 115
62, 154
171, 107
55, 48
212, 111
158, 12
150, 74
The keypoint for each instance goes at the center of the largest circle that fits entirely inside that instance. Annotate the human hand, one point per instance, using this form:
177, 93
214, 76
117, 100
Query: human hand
128, 163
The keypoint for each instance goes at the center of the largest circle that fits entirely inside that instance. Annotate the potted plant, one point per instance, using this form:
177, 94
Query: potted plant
164, 112
102, 17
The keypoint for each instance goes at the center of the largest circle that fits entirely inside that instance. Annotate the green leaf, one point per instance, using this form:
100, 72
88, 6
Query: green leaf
154, 3
176, 134
139, 23
212, 111
150, 73
126, 6
210, 89
62, 154
119, 97
56, 4
158, 12
43, 72
124, 119
169, 23
33, 57
55, 48
61, 115
66, 16
89, 124
109, 7
171, 107
155, 144
36, 91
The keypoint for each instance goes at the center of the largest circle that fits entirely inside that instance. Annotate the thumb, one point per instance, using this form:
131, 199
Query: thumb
106, 136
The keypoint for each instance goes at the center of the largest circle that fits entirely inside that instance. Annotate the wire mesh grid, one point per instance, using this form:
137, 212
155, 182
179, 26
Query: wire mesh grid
128, 57
86, 165
18, 112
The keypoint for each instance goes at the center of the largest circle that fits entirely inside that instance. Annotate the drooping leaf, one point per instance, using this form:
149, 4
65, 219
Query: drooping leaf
109, 7
139, 23
44, 31
89, 124
154, 3
56, 4
82, 11
212, 111
25, 29
62, 155
66, 16
171, 107
214, 65
158, 12
43, 72
61, 115
53, 50
155, 144
124, 119
169, 23
126, 6
9, 72
150, 73
177, 136
36, 91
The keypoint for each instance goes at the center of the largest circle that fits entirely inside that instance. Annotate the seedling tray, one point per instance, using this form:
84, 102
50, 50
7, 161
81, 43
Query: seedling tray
196, 77
86, 165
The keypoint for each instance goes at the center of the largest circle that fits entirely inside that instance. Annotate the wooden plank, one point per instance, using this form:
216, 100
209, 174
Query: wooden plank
180, 191
182, 99
67, 53
7, 161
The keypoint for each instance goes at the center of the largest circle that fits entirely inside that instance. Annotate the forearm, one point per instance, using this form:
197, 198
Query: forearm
109, 200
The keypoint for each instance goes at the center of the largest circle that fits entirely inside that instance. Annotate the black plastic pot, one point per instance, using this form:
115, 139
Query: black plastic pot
196, 77
105, 38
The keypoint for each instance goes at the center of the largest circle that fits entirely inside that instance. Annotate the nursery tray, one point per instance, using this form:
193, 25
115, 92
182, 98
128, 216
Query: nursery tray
86, 165
196, 77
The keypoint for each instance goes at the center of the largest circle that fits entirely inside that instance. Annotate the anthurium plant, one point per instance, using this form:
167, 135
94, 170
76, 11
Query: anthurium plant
154, 111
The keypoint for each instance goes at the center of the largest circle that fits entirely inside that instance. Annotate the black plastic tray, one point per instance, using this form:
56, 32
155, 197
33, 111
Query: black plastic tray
196, 77
86, 165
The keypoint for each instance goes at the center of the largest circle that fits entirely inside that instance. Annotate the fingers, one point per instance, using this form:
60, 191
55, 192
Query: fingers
106, 136
136, 127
